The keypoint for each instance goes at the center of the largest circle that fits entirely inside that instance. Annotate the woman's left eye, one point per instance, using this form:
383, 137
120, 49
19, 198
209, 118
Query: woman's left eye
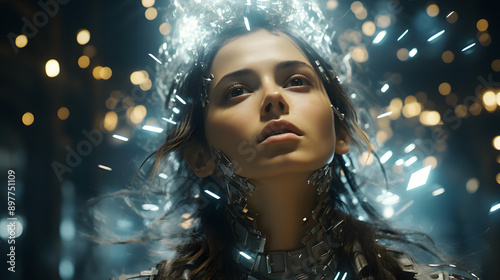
297, 82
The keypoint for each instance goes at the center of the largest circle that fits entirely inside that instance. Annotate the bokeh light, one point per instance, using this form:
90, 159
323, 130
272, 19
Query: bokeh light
138, 77
83, 61
448, 56
452, 17
482, 25
383, 21
151, 13
332, 4
52, 68
444, 88
369, 28
475, 109
105, 73
451, 99
495, 65
83, 36
148, 3
430, 160
359, 54
472, 185
21, 41
96, 73
28, 119
461, 111
110, 121
138, 114
403, 54
432, 10
165, 28
430, 118
489, 101
496, 142
63, 113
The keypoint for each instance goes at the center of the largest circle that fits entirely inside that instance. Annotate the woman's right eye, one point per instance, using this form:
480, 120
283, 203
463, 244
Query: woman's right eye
236, 91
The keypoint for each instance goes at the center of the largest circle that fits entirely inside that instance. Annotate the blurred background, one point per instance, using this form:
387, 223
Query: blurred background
75, 80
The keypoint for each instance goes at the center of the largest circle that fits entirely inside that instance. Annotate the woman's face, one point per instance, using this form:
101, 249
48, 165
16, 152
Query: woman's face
268, 110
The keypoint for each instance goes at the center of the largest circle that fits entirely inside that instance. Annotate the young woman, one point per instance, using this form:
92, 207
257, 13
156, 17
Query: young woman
260, 140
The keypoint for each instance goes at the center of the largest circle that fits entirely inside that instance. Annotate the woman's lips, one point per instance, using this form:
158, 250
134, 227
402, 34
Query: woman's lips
279, 130
282, 137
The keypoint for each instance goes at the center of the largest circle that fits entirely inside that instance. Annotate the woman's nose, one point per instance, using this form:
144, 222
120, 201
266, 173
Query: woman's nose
274, 103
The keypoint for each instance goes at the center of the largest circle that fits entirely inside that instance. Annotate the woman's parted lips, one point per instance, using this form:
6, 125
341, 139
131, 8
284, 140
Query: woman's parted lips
277, 127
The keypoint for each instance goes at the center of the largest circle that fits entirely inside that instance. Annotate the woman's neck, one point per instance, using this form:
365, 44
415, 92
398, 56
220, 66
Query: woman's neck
281, 204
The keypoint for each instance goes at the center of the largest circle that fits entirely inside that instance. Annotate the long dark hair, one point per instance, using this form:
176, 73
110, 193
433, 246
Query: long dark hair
205, 254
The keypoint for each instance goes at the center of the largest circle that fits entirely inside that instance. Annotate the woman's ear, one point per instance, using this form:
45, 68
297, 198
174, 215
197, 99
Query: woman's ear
200, 160
342, 141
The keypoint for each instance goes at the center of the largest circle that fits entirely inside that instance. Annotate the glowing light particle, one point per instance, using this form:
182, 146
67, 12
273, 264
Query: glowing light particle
495, 207
104, 167
380, 36
384, 88
402, 35
410, 148
163, 175
433, 37
28, 119
386, 157
413, 52
52, 68
438, 192
150, 207
496, 142
119, 137
345, 275
388, 213
247, 24
245, 255
177, 111
410, 161
399, 162
152, 128
419, 178
21, 41
212, 194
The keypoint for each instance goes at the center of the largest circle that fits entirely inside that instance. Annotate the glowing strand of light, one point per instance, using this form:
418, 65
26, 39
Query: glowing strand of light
495, 207
170, 121
104, 167
163, 175
468, 47
411, 161
380, 36
410, 148
384, 88
119, 137
413, 52
180, 99
245, 255
386, 157
438, 192
212, 194
247, 24
155, 58
433, 37
152, 128
384, 115
402, 35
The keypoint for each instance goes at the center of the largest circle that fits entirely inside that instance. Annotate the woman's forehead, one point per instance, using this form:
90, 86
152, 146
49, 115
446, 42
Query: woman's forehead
259, 49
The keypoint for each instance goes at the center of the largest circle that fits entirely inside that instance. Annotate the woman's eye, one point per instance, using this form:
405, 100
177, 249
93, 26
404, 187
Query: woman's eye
297, 82
237, 92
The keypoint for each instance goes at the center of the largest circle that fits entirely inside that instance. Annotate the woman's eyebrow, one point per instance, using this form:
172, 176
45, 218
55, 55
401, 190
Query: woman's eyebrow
239, 73
292, 63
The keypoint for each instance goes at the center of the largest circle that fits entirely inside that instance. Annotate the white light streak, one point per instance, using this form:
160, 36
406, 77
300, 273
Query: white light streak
468, 47
384, 115
247, 24
150, 207
410, 148
345, 275
380, 36
337, 276
411, 161
170, 121
154, 57
245, 255
402, 35
386, 157
433, 37
413, 52
176, 110
451, 13
163, 175
384, 88
212, 194
152, 128
438, 192
399, 162
180, 99
419, 178
495, 207
104, 167
119, 137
